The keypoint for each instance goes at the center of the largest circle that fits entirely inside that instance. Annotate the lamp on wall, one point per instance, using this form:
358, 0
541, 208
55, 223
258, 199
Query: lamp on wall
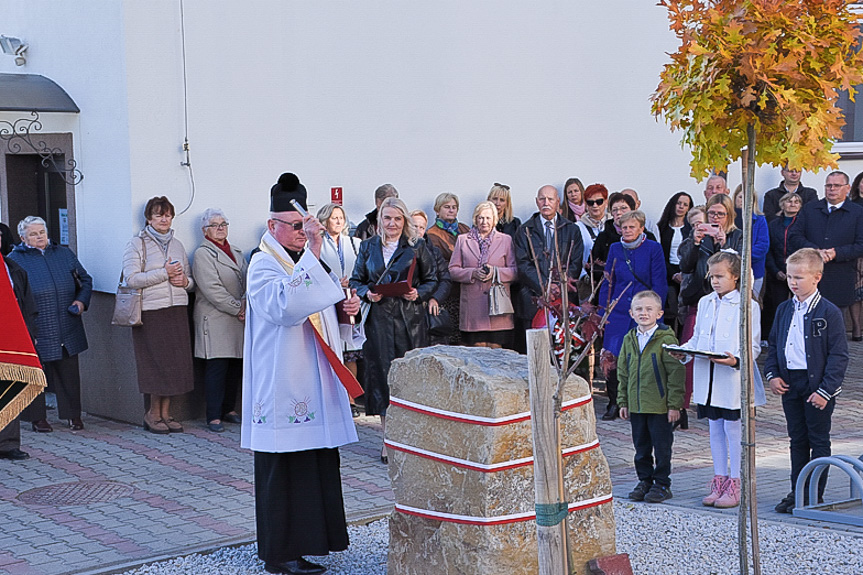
12, 46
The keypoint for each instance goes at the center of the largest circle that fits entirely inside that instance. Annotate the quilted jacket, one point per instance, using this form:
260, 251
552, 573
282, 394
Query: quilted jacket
52, 281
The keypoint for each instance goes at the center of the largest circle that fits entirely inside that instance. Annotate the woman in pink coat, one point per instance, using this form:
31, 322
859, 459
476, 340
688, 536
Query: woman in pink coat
476, 256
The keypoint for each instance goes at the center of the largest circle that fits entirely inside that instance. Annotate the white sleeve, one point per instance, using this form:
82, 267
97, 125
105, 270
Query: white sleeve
289, 300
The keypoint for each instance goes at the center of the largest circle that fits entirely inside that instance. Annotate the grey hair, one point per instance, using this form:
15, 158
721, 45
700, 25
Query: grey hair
29, 221
211, 213
409, 231
636, 215
386, 191
326, 212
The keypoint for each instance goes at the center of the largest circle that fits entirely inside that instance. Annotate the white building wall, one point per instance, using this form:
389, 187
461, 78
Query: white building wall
446, 96
80, 46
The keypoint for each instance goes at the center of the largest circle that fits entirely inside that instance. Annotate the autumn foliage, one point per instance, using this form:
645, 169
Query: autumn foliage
776, 64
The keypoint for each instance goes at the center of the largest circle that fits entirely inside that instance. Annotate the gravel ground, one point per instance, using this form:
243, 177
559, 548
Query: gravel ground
659, 540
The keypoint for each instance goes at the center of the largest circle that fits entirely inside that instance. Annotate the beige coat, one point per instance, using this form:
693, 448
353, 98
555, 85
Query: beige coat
219, 299
158, 292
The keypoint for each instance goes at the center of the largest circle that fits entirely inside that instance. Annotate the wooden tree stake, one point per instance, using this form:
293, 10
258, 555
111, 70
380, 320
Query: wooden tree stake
547, 464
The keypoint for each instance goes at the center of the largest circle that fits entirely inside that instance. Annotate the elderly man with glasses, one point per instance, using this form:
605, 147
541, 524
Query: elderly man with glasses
833, 226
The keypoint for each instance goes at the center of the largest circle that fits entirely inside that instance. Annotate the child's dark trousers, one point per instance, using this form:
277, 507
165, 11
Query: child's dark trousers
652, 435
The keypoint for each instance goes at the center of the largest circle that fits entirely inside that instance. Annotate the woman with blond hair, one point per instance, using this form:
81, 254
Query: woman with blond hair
501, 197
395, 323
339, 251
442, 234
479, 255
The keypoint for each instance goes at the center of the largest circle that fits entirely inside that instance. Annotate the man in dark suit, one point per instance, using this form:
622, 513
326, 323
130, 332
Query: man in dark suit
546, 245
833, 226
790, 183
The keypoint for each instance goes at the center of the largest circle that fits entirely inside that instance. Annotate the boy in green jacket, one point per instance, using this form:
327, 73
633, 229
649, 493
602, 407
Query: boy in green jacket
650, 396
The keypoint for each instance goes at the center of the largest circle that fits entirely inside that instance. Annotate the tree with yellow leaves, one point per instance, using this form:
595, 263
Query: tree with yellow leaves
774, 65
765, 72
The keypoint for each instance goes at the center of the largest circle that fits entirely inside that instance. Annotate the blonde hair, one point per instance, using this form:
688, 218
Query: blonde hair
496, 191
443, 198
739, 191
480, 207
694, 212
421, 214
647, 294
409, 231
726, 203
808, 257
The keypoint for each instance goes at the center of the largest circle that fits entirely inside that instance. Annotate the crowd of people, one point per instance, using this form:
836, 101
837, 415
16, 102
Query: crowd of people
405, 280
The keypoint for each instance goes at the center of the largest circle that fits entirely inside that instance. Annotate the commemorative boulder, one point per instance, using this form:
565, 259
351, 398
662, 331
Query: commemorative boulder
461, 465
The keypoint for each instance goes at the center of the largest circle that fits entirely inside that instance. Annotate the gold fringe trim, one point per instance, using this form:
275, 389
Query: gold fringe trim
35, 378
24, 373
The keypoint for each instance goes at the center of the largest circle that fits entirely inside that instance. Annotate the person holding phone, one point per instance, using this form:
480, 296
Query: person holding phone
477, 256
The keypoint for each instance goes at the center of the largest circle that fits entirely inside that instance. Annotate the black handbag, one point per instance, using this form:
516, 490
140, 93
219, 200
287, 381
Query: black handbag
439, 325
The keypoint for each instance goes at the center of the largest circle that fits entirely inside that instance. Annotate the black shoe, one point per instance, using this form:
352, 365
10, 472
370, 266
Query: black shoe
355, 411
640, 491
215, 427
611, 413
42, 426
658, 494
683, 422
14, 454
232, 418
857, 338
296, 567
786, 505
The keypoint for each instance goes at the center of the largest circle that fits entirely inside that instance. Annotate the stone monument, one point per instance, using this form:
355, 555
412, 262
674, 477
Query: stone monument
460, 451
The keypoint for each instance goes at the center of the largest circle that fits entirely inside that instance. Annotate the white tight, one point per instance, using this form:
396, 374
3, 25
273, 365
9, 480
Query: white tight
724, 441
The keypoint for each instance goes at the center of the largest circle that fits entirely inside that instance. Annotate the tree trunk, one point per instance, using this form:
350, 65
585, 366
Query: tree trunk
748, 500
547, 465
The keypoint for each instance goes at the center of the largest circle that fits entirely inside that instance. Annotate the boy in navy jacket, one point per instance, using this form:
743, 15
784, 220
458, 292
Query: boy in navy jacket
806, 364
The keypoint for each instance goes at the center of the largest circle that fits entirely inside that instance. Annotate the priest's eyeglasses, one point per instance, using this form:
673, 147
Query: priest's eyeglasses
297, 226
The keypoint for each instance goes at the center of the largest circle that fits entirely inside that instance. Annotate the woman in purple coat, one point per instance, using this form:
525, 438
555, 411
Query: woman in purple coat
641, 262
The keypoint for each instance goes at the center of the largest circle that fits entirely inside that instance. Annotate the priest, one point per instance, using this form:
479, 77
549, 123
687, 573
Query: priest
296, 412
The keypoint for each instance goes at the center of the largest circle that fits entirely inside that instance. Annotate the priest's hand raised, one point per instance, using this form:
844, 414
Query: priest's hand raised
314, 234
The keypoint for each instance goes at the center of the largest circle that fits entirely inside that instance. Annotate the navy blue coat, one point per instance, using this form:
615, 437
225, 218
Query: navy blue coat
826, 347
843, 231
568, 242
53, 285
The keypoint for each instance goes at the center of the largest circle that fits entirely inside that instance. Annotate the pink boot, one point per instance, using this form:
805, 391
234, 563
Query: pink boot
730, 494
715, 490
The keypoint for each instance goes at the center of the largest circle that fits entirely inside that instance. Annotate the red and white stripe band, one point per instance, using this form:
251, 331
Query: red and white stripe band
478, 419
499, 520
483, 467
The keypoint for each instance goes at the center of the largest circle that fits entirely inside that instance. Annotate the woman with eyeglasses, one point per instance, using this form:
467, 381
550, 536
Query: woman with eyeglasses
593, 221
220, 313
573, 206
717, 233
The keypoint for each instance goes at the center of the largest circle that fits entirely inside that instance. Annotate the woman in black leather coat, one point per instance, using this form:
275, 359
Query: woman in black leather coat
394, 325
